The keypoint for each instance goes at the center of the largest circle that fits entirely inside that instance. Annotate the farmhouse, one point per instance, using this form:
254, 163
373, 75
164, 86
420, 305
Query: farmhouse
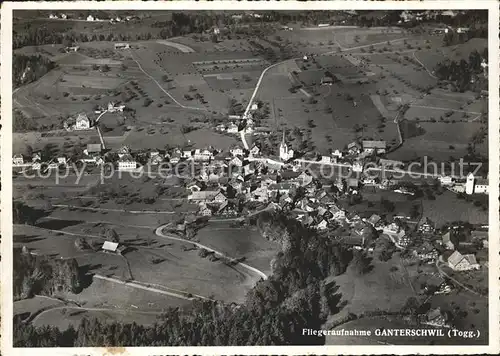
122, 46
371, 147
126, 162
459, 262
82, 122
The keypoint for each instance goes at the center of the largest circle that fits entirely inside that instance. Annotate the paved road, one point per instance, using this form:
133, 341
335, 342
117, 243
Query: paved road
159, 232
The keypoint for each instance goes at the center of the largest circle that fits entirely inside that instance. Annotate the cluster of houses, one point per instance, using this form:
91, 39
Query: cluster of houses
83, 122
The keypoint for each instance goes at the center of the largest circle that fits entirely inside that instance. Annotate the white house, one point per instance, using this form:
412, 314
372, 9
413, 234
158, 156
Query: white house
126, 163
61, 160
91, 18
232, 128
82, 122
326, 159
236, 151
357, 166
337, 154
122, 46
254, 107
202, 155
445, 180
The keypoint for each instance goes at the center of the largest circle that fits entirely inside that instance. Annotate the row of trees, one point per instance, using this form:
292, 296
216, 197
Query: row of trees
274, 313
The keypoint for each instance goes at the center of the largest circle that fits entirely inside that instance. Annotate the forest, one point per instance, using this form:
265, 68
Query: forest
460, 73
27, 69
274, 313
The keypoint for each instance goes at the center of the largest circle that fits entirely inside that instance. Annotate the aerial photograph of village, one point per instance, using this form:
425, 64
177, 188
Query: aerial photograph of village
250, 178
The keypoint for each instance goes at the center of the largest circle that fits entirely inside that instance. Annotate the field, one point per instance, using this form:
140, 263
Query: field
385, 288
237, 242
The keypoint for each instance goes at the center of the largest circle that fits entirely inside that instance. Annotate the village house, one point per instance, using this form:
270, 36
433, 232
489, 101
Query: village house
236, 162
205, 196
374, 147
353, 148
72, 49
459, 262
220, 128
255, 150
326, 159
123, 151
219, 198
337, 154
232, 128
204, 210
155, 158
237, 151
202, 155
357, 166
93, 149
109, 246
394, 230
122, 45
446, 241
282, 188
17, 160
126, 163
194, 186
62, 161
113, 108
82, 122
445, 180
426, 252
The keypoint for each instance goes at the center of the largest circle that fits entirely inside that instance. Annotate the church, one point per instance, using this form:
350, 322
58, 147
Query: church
285, 153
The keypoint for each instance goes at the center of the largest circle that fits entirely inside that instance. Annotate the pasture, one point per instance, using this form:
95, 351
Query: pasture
385, 288
240, 243
440, 141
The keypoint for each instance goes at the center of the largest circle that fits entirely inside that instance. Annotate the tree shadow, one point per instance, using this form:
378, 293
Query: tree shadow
27, 239
57, 224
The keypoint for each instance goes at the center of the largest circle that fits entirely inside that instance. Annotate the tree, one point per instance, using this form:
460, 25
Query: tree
111, 235
361, 262
105, 68
165, 78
